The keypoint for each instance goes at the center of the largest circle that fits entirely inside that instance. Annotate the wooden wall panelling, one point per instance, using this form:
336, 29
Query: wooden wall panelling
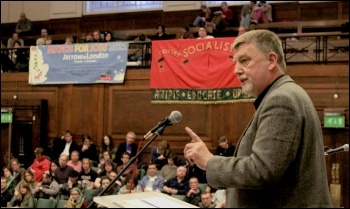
326, 10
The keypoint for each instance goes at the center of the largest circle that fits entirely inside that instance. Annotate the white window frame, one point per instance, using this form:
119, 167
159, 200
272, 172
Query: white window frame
120, 9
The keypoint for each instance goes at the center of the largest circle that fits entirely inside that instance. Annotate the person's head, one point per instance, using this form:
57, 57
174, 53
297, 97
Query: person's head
202, 32
17, 44
107, 141
22, 16
7, 173
106, 155
112, 174
63, 160
3, 183
29, 176
142, 37
96, 35
206, 199
130, 182
39, 153
87, 140
152, 169
105, 181
88, 37
15, 164
15, 36
68, 135
24, 188
44, 32
48, 40
73, 176
54, 164
224, 6
252, 3
193, 183
241, 30
109, 166
181, 172
259, 60
74, 156
160, 28
130, 137
163, 145
172, 159
222, 140
47, 178
69, 40
75, 194
86, 163
108, 36
204, 8
125, 157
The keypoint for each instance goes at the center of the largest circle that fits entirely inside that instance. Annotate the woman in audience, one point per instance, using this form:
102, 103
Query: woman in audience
106, 156
24, 198
107, 144
160, 153
48, 187
76, 199
10, 180
69, 40
88, 37
108, 37
28, 178
53, 167
108, 167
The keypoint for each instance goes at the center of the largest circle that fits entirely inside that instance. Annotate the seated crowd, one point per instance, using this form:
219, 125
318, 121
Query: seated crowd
64, 175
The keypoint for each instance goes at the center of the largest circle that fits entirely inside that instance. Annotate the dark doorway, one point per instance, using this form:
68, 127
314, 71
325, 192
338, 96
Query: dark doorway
21, 145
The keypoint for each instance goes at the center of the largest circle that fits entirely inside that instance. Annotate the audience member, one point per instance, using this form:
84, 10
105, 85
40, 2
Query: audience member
68, 145
48, 40
219, 196
194, 171
185, 33
161, 35
169, 170
54, 165
29, 179
96, 37
112, 175
160, 153
107, 144
19, 57
127, 146
225, 148
61, 173
108, 37
144, 50
105, 181
241, 30
11, 182
131, 185
66, 187
24, 25
87, 176
69, 40
203, 33
108, 167
177, 185
246, 15
17, 170
222, 18
88, 37
262, 13
206, 201
6, 196
106, 156
74, 161
193, 196
42, 40
88, 149
152, 181
40, 164
132, 168
48, 188
24, 199
205, 17
15, 37
76, 199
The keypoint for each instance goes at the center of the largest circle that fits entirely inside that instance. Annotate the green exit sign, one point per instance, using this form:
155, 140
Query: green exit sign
6, 117
334, 121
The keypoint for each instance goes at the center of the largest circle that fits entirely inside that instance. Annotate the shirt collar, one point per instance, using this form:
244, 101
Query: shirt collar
262, 95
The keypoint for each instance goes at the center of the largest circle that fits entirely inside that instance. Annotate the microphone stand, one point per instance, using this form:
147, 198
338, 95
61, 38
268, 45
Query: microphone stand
132, 160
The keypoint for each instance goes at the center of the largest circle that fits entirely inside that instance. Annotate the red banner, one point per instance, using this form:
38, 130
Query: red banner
200, 67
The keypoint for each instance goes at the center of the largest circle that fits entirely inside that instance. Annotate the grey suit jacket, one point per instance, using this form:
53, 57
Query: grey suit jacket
279, 160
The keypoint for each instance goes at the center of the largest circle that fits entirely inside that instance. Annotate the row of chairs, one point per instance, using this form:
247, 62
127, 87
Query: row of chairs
47, 203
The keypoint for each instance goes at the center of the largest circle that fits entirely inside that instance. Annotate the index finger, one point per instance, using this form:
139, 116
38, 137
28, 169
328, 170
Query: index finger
194, 136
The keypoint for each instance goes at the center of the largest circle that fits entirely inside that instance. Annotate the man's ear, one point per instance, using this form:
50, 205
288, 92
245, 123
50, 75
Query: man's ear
272, 58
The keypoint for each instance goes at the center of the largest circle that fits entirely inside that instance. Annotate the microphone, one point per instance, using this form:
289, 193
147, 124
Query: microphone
344, 148
174, 117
